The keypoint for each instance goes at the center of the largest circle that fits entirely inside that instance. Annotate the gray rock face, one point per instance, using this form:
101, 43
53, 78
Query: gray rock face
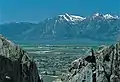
101, 66
15, 65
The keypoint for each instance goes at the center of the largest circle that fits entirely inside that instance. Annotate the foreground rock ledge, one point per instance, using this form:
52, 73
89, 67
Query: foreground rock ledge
15, 64
101, 66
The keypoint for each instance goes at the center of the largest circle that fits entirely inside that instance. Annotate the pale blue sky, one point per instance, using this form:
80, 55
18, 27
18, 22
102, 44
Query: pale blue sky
38, 10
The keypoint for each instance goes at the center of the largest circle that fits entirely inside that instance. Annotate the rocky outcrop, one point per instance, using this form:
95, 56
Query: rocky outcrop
101, 66
15, 64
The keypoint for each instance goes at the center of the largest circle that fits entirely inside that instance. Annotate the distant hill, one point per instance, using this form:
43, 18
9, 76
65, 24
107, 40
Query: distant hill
98, 27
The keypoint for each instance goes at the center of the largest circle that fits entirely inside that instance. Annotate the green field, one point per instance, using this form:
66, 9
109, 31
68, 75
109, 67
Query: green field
53, 60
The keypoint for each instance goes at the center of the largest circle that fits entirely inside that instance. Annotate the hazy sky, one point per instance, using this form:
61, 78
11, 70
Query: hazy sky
38, 10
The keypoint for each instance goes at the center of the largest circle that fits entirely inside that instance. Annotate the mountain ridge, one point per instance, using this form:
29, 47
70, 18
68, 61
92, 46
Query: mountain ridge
98, 27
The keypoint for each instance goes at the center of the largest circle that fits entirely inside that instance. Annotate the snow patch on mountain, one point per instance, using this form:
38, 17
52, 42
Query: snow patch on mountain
77, 17
72, 18
97, 14
109, 16
105, 16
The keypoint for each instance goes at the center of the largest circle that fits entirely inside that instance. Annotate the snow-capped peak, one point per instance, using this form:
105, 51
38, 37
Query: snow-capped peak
72, 18
97, 14
105, 16
65, 16
75, 19
108, 16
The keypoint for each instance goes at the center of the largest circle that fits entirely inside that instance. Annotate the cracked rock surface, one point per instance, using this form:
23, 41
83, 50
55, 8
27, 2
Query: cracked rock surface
101, 66
15, 64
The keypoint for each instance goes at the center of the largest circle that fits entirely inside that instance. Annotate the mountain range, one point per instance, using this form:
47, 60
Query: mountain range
65, 27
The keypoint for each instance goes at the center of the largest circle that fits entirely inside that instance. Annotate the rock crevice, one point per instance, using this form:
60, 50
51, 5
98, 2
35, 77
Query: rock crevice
15, 64
101, 66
